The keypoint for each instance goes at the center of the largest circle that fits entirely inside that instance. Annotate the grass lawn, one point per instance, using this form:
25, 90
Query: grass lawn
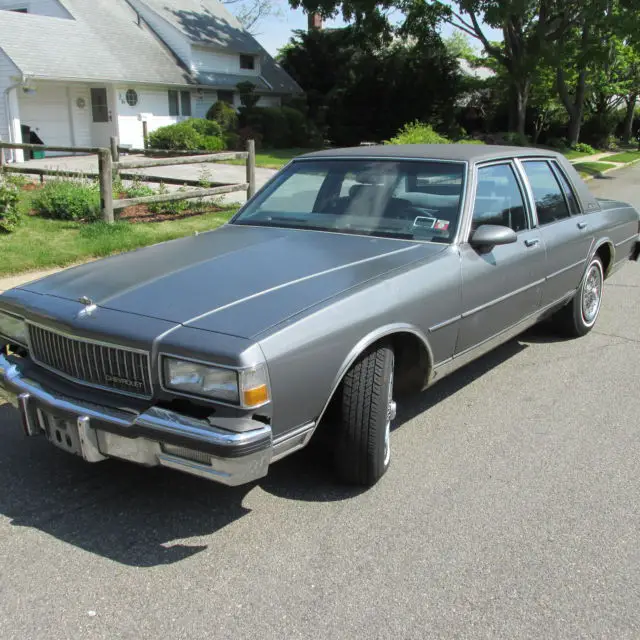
624, 157
274, 158
586, 169
40, 244
572, 154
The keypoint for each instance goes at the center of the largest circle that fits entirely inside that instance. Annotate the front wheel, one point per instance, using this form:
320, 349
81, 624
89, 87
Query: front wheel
580, 315
363, 450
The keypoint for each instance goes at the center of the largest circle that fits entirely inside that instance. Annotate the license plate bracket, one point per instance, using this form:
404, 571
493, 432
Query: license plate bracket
60, 432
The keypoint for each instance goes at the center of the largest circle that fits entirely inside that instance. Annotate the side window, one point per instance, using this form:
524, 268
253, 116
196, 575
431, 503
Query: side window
499, 199
574, 208
550, 202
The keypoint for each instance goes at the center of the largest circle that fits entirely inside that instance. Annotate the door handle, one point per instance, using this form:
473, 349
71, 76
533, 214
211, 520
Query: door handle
582, 225
532, 243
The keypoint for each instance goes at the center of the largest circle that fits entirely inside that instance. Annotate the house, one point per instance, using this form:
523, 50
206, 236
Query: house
76, 72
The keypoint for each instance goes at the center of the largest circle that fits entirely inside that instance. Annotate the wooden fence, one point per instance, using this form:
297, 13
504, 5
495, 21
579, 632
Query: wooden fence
111, 166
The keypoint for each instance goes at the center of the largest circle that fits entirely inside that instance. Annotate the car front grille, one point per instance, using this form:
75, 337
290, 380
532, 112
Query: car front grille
92, 363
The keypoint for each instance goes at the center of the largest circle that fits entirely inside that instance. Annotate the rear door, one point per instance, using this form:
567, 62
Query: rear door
503, 286
565, 230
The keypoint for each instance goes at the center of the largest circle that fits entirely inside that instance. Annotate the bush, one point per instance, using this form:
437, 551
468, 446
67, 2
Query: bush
224, 114
194, 134
417, 133
557, 143
299, 128
515, 139
232, 140
9, 214
583, 147
272, 124
68, 200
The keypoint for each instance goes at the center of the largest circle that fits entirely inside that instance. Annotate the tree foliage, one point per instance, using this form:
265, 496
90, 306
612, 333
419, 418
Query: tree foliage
359, 88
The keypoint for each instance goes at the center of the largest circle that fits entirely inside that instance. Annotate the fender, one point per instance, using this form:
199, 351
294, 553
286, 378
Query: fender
366, 342
596, 246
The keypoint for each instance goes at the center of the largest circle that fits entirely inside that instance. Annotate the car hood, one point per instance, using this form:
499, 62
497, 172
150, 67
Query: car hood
236, 280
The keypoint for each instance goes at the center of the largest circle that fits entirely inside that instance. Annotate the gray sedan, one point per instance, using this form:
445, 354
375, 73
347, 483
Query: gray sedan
352, 278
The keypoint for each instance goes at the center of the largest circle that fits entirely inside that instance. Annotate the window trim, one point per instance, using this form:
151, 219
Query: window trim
522, 187
547, 160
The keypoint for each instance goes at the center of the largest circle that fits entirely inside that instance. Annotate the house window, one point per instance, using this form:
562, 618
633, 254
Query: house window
225, 96
247, 62
132, 97
99, 105
185, 102
179, 103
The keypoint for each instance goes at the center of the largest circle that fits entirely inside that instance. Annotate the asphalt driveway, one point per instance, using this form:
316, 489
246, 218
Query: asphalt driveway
511, 510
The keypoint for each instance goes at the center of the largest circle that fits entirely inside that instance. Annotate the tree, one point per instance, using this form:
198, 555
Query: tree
360, 89
528, 27
251, 13
459, 46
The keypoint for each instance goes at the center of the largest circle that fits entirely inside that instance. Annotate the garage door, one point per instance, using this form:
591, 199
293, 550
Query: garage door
46, 111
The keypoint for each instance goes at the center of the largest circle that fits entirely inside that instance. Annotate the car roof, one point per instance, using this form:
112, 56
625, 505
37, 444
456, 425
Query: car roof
471, 153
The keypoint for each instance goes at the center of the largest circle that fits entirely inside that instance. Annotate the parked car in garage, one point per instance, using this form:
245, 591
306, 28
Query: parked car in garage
353, 277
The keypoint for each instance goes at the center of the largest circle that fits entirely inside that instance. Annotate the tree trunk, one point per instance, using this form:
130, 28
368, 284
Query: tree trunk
520, 91
575, 107
627, 131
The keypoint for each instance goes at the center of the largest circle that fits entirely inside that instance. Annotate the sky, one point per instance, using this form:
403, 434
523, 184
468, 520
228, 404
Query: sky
276, 31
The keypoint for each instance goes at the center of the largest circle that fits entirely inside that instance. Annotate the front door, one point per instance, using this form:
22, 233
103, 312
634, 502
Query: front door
565, 230
504, 285
102, 127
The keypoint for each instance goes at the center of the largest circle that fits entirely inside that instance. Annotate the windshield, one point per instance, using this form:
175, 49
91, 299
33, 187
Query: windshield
415, 200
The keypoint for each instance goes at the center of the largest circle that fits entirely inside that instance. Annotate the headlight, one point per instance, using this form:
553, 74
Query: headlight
248, 388
13, 328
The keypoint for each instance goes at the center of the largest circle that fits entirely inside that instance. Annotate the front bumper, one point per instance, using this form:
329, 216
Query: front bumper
154, 437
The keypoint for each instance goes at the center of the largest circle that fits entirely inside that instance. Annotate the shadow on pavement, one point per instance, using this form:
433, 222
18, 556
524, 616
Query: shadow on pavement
133, 515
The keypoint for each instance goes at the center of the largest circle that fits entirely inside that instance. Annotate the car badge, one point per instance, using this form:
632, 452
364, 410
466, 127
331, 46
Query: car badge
89, 306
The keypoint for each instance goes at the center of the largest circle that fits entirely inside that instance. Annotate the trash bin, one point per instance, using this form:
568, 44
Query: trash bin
31, 137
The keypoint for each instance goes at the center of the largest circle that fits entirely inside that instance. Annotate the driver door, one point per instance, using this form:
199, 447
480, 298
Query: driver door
503, 286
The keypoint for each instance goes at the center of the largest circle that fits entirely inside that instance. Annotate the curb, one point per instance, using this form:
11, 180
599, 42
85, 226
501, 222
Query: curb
618, 166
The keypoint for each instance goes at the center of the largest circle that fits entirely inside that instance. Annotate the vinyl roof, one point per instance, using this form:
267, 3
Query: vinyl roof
454, 152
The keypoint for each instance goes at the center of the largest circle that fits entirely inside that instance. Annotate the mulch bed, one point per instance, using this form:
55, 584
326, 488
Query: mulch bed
140, 213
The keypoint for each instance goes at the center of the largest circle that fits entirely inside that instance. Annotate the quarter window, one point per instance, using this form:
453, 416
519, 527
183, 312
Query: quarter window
574, 208
499, 199
550, 201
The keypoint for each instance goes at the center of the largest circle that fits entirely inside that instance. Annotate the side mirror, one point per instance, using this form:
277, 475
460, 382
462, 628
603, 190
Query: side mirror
487, 236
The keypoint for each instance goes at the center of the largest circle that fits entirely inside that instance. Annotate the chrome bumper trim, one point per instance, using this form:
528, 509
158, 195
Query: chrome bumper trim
236, 457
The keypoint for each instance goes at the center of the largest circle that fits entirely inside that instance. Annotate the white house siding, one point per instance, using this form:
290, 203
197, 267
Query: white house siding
154, 101
177, 42
50, 8
47, 112
205, 59
8, 76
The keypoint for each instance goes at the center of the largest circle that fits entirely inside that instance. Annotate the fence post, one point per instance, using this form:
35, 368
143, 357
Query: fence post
2, 160
145, 134
251, 168
105, 167
115, 156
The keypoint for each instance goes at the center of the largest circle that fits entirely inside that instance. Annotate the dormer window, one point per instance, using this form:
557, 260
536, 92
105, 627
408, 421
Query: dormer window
247, 62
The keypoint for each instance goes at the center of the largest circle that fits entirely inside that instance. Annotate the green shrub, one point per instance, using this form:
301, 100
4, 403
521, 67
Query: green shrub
299, 127
68, 200
557, 143
9, 214
172, 207
583, 147
273, 126
417, 133
232, 140
193, 134
138, 189
205, 127
224, 114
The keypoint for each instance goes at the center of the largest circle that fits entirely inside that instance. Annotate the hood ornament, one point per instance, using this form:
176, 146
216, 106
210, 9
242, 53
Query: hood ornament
89, 306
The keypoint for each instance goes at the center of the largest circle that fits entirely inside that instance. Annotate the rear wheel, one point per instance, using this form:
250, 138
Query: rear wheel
580, 315
363, 450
